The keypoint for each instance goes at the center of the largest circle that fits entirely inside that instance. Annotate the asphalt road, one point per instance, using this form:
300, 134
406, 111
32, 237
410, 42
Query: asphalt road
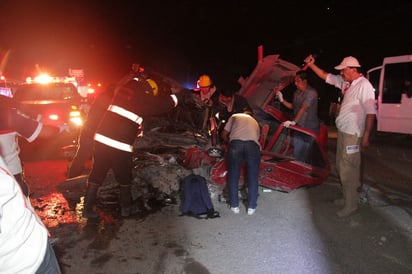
295, 232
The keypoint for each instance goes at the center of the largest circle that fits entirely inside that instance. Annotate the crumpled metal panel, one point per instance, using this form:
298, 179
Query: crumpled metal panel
270, 73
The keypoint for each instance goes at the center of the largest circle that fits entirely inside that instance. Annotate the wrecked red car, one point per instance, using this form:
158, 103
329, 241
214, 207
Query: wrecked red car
170, 147
280, 168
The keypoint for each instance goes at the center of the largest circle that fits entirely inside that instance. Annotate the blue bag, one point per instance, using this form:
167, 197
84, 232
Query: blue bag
196, 199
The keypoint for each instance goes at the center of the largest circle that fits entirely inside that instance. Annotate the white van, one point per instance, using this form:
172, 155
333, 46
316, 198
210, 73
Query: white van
393, 86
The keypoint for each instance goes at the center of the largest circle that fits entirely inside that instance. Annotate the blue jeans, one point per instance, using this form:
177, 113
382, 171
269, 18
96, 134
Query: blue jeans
301, 143
240, 152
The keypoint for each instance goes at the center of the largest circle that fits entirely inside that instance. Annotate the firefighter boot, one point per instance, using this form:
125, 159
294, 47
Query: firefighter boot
90, 200
351, 202
126, 206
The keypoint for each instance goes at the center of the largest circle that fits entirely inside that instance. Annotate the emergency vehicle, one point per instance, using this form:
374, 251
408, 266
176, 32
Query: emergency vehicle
393, 86
53, 101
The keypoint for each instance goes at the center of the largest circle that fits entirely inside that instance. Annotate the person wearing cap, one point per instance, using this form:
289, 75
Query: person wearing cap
354, 122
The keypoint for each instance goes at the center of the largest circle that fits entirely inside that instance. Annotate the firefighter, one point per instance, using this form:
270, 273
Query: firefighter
206, 91
115, 136
86, 139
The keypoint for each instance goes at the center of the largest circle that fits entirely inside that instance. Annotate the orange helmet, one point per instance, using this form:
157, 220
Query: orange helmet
204, 81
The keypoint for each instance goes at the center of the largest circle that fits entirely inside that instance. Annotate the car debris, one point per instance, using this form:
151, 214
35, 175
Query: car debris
279, 169
170, 149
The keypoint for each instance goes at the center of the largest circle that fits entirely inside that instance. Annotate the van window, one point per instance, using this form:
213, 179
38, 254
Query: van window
398, 78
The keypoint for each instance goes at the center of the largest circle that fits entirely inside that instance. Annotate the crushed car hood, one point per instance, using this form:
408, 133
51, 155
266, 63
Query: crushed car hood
271, 73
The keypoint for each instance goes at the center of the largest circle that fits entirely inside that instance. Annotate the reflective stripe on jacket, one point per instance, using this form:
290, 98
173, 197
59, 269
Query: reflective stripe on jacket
122, 121
126, 114
113, 143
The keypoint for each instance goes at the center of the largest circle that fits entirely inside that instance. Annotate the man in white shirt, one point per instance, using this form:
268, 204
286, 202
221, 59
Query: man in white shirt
354, 123
24, 240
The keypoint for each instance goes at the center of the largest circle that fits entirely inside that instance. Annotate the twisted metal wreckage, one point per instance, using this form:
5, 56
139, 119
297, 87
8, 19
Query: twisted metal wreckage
279, 169
172, 148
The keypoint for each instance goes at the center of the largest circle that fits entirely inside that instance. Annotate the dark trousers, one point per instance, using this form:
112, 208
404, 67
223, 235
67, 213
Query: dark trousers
105, 158
49, 264
240, 152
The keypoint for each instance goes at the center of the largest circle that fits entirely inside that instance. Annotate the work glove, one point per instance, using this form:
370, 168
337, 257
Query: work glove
64, 128
279, 95
289, 123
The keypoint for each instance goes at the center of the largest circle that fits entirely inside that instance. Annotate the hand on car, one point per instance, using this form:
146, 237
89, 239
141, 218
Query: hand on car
279, 96
289, 123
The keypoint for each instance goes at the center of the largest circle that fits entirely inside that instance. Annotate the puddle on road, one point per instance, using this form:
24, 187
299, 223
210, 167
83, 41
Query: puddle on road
56, 212
54, 209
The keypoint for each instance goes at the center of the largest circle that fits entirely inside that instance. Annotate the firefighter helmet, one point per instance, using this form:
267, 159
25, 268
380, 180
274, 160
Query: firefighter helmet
204, 81
154, 86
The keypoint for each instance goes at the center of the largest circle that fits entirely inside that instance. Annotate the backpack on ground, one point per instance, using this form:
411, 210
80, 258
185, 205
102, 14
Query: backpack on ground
196, 199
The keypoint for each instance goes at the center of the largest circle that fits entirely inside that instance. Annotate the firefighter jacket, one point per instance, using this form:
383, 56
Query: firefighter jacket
96, 112
132, 102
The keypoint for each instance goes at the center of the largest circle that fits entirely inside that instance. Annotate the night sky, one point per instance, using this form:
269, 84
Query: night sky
186, 38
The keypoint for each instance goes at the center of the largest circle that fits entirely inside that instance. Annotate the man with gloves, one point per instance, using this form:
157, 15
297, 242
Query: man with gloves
305, 110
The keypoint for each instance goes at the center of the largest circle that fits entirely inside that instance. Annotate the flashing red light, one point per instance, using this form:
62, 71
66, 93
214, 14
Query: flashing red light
54, 117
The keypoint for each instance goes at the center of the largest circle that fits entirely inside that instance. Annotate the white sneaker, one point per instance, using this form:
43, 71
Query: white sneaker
235, 210
251, 211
